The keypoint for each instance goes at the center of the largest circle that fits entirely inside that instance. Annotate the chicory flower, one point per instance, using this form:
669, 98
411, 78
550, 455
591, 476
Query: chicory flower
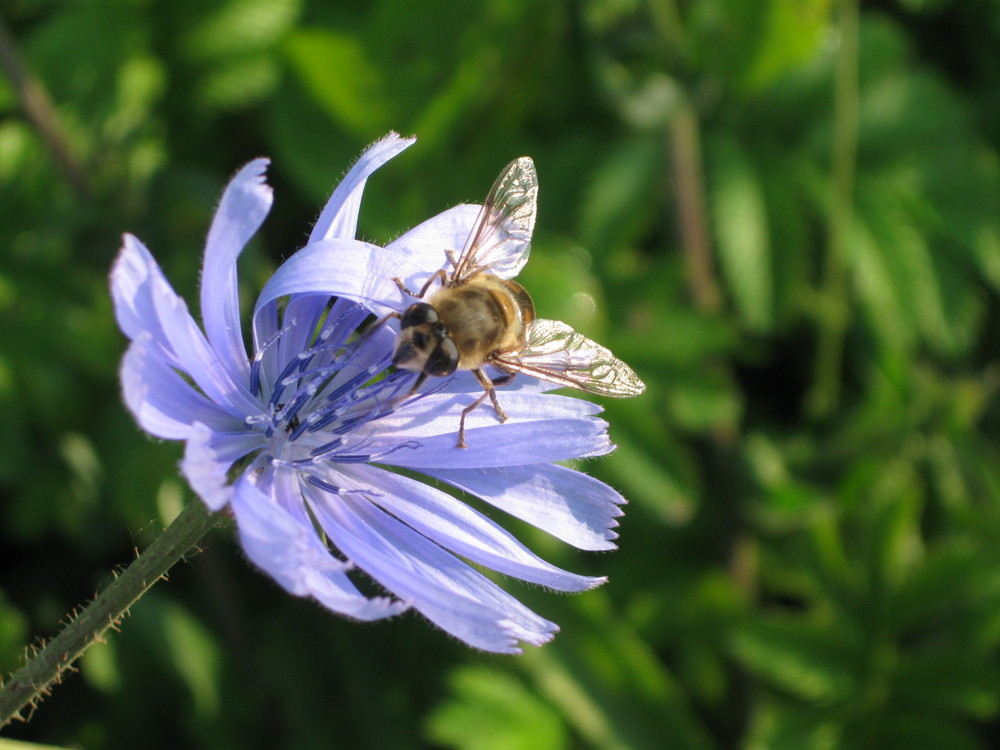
299, 438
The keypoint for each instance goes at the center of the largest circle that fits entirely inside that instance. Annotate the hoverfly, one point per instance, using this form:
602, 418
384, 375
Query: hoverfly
480, 316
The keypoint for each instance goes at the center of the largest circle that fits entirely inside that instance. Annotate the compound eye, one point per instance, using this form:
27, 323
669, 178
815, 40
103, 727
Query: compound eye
443, 360
417, 314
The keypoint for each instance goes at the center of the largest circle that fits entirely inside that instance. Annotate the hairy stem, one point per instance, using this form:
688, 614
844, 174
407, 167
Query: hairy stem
46, 666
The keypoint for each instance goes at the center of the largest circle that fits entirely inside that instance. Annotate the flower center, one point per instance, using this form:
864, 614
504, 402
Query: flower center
318, 407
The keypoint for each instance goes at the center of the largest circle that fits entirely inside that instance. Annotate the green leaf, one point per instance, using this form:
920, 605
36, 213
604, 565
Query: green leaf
926, 732
793, 33
776, 725
342, 80
609, 685
662, 482
237, 27
615, 200
195, 653
805, 659
490, 709
739, 217
17, 745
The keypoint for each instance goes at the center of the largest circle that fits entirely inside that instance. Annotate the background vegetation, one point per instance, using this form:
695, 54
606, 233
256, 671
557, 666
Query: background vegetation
784, 213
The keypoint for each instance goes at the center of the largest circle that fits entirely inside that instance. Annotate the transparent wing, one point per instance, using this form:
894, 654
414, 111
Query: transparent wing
500, 239
557, 353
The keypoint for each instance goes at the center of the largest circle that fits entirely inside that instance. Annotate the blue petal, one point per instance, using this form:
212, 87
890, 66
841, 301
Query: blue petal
339, 218
457, 527
244, 206
280, 336
163, 403
432, 414
132, 278
502, 445
145, 302
208, 457
300, 319
423, 248
567, 504
193, 354
423, 432
448, 592
340, 215
466, 382
287, 547
335, 267
364, 272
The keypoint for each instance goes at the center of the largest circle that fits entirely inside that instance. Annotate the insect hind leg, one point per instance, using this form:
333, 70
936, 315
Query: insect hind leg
489, 390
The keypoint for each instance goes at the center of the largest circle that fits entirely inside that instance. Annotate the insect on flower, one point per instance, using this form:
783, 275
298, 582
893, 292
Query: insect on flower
480, 316
335, 479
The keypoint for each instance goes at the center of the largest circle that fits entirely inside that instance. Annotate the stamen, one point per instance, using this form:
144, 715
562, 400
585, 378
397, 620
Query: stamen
256, 419
285, 379
334, 489
290, 410
326, 391
347, 458
411, 444
326, 448
258, 358
323, 485
350, 384
331, 325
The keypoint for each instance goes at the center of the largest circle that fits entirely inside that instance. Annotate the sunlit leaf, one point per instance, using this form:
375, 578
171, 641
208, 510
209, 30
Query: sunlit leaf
492, 710
336, 71
741, 225
802, 659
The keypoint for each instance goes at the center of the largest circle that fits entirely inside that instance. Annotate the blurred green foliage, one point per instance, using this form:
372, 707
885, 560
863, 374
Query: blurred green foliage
784, 213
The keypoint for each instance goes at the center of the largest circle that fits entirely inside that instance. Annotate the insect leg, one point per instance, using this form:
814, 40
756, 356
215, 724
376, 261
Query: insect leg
506, 379
491, 392
419, 382
375, 326
438, 274
488, 390
383, 320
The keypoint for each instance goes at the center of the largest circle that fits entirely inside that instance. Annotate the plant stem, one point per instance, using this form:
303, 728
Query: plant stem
685, 154
40, 112
834, 309
46, 666
724, 482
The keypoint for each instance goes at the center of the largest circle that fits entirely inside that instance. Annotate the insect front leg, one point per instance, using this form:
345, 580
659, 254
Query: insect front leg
417, 383
440, 274
375, 326
382, 321
488, 390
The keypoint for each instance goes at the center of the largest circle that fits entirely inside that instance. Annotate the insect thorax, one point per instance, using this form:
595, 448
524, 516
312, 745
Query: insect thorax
484, 315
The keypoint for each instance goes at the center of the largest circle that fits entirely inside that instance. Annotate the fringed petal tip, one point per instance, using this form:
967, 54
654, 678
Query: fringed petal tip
520, 637
339, 217
570, 505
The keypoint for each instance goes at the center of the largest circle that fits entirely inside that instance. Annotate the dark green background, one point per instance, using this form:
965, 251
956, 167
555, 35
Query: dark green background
810, 557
